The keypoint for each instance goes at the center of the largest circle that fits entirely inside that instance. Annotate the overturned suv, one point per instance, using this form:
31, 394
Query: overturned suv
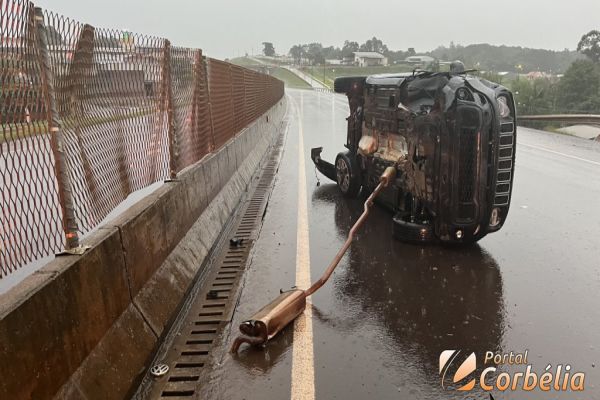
451, 137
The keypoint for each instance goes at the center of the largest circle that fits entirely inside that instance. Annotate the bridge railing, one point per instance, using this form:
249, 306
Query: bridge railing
90, 115
589, 119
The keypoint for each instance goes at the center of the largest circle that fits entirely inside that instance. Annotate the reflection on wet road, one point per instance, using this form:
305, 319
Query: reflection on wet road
390, 309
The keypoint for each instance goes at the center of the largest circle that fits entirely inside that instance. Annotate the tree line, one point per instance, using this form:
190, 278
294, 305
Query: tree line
478, 56
576, 92
487, 57
316, 54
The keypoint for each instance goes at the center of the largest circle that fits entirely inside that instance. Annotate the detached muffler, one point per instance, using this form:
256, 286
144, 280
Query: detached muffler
276, 315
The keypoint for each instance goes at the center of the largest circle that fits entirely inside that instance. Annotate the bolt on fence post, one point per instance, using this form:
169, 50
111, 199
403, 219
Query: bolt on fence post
65, 192
168, 92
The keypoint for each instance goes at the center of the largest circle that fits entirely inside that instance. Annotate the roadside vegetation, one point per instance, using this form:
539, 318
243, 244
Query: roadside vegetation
576, 92
245, 61
484, 57
15, 131
290, 79
543, 81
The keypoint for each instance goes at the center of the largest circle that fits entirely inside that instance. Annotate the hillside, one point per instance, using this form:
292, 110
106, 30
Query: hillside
488, 57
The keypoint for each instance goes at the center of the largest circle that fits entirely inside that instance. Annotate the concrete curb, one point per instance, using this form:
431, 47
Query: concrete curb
84, 327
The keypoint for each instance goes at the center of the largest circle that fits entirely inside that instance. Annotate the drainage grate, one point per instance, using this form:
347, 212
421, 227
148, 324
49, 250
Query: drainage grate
214, 304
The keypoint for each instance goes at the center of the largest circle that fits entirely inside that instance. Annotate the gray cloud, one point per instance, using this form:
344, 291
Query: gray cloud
232, 27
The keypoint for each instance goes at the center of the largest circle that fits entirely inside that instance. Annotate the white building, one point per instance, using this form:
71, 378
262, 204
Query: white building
419, 60
369, 58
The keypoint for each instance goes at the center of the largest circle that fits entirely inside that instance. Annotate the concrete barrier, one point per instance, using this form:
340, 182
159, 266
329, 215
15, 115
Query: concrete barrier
84, 327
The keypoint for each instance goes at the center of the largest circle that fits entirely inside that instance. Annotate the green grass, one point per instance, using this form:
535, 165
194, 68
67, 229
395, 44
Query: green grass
271, 61
290, 79
21, 131
244, 62
10, 132
328, 73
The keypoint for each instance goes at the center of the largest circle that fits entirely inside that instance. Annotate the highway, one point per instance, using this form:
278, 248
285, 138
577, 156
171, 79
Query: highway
377, 328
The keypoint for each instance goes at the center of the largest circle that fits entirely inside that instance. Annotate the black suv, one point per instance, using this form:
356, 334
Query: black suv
452, 138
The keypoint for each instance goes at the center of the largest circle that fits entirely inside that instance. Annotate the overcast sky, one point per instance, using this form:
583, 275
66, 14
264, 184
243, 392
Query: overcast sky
228, 28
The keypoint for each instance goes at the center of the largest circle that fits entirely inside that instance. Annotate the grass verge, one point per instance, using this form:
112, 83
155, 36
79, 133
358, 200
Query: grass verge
12, 132
290, 79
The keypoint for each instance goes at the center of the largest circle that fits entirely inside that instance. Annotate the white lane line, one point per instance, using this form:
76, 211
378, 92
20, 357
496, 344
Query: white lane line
303, 366
558, 153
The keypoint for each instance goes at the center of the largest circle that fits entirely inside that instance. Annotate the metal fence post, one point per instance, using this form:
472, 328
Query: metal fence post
65, 193
80, 70
168, 92
196, 95
212, 145
231, 92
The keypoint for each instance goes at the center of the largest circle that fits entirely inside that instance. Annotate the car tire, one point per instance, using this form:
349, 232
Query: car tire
412, 232
347, 174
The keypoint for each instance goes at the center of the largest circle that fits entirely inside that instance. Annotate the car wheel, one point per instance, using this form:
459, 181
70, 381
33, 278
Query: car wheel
347, 175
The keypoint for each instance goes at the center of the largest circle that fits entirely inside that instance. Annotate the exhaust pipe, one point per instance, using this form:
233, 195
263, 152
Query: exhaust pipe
276, 315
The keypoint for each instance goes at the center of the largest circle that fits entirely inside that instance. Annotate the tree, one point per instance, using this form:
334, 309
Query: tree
590, 45
579, 88
268, 49
535, 96
315, 53
375, 45
487, 57
411, 52
332, 53
297, 52
349, 48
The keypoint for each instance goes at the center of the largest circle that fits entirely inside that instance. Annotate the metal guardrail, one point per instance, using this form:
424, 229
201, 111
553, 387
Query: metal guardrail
90, 115
325, 90
571, 118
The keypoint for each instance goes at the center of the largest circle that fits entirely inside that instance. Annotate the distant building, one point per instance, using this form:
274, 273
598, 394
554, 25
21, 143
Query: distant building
419, 60
333, 61
348, 60
538, 75
369, 58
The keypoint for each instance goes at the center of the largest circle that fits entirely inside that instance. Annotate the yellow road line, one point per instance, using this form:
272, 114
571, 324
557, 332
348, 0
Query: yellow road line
303, 369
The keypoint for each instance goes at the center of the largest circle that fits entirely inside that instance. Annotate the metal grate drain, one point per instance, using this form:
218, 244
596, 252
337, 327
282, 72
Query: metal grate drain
214, 304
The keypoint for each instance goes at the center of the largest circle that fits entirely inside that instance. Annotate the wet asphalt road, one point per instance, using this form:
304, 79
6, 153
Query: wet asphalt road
390, 309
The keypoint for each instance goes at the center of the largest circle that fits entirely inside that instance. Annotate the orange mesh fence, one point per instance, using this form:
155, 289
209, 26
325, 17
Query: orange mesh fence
30, 225
221, 100
89, 116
